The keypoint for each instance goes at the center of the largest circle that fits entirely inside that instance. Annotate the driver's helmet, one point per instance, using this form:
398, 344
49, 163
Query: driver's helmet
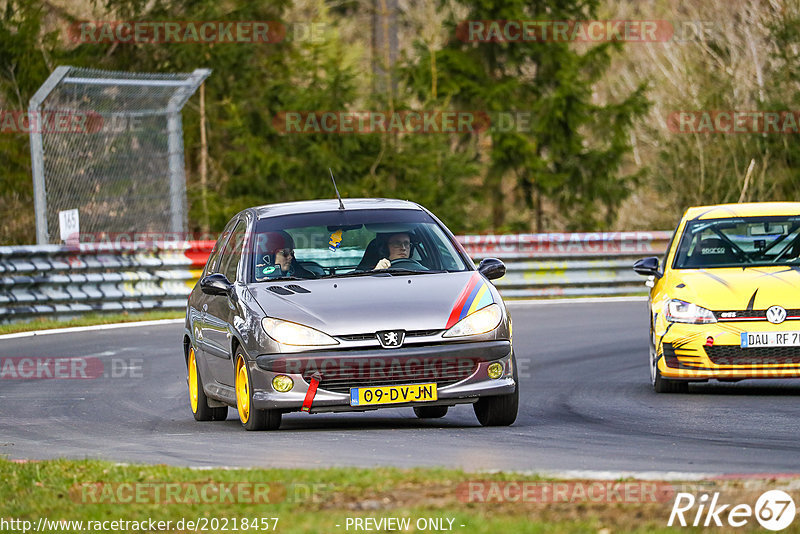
268, 244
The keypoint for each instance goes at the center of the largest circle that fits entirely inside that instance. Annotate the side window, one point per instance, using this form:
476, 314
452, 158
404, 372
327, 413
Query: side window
232, 253
213, 258
669, 246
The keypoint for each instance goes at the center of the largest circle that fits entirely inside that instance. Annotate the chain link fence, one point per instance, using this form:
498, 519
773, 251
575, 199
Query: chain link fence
110, 145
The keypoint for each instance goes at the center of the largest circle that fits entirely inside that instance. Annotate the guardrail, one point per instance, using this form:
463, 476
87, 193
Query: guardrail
69, 280
568, 265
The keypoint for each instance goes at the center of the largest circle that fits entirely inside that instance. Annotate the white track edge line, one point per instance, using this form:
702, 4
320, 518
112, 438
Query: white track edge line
74, 329
578, 300
510, 303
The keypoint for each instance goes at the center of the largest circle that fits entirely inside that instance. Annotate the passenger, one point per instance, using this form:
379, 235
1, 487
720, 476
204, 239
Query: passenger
276, 257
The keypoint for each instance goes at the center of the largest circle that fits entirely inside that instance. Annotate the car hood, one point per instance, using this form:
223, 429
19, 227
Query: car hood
734, 288
347, 306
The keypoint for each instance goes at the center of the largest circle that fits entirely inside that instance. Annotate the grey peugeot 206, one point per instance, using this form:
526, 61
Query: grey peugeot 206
323, 306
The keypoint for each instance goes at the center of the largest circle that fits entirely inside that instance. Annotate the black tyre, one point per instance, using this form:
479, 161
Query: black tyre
430, 412
250, 417
664, 385
500, 410
661, 384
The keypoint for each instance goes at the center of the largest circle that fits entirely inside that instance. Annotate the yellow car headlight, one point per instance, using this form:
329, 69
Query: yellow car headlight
295, 334
679, 311
479, 322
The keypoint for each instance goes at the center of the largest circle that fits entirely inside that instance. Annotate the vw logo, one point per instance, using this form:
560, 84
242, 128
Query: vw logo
391, 339
776, 314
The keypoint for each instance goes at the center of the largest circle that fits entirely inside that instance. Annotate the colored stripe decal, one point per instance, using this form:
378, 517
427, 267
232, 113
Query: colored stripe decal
454, 315
483, 299
469, 301
480, 298
476, 295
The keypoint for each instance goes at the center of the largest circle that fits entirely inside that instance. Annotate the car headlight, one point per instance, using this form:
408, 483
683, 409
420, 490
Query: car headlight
479, 322
295, 334
679, 311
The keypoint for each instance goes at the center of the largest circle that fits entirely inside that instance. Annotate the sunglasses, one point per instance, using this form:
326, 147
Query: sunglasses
285, 251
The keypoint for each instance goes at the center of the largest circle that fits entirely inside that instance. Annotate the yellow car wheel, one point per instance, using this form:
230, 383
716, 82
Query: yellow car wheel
198, 401
251, 417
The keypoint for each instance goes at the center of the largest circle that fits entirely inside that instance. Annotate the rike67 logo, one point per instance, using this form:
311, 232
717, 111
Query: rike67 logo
774, 510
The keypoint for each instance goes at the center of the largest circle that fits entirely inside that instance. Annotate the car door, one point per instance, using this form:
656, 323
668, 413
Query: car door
222, 309
200, 300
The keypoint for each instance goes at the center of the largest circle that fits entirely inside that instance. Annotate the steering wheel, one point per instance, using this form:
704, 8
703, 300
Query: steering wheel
408, 263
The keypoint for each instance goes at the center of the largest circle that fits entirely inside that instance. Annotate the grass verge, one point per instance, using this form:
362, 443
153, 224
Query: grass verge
327, 500
90, 319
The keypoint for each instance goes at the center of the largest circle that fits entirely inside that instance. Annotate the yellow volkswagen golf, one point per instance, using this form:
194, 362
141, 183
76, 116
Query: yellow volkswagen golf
726, 304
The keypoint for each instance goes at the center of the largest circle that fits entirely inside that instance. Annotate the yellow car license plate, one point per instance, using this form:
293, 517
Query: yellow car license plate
393, 394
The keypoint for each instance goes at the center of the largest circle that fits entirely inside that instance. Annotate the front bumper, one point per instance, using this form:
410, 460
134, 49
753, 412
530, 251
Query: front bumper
360, 368
684, 352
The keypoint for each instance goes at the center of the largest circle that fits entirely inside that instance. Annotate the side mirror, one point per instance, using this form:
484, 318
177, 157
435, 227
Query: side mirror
648, 267
215, 284
492, 268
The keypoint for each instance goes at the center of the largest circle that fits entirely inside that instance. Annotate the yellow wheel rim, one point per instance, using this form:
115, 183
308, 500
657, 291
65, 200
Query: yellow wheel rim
242, 391
192, 381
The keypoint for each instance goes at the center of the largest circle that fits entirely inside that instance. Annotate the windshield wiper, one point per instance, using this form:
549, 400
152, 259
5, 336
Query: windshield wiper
370, 272
400, 270
391, 271
281, 279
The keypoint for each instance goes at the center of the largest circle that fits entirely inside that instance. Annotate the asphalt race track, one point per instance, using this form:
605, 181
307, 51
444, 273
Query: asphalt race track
586, 404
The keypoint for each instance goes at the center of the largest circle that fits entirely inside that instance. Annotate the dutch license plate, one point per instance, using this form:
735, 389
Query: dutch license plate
770, 339
393, 394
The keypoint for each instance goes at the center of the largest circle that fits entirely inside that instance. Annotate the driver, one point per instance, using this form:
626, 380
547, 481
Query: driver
398, 247
276, 257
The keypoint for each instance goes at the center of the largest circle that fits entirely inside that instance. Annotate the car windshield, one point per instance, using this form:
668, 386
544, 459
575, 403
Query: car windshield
348, 243
739, 242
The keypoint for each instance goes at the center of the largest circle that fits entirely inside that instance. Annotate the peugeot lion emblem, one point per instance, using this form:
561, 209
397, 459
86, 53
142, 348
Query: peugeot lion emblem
776, 314
391, 339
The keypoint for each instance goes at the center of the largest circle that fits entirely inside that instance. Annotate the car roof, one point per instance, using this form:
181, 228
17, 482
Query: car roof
748, 209
313, 206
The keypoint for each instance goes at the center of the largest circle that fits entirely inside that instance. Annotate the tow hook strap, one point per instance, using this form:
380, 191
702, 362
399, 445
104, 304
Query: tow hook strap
312, 390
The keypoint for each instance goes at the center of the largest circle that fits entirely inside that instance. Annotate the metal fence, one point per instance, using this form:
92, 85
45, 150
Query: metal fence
110, 144
69, 280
